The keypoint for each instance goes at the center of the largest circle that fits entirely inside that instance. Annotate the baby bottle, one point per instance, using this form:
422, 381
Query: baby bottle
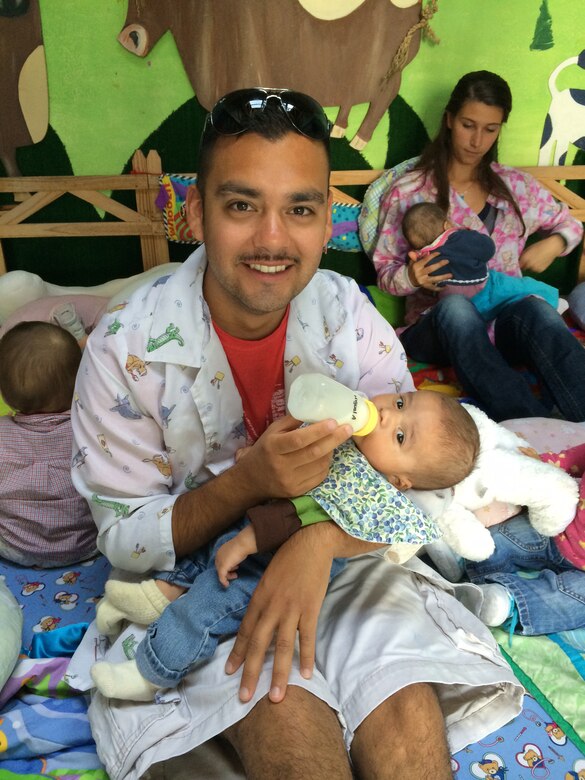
314, 397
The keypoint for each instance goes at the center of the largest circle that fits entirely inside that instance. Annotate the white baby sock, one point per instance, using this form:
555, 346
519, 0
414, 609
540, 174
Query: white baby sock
497, 604
138, 602
122, 681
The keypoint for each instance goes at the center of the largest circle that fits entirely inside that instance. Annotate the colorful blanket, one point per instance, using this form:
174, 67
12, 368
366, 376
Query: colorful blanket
44, 729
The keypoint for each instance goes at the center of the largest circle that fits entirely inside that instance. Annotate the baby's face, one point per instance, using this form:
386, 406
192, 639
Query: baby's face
406, 437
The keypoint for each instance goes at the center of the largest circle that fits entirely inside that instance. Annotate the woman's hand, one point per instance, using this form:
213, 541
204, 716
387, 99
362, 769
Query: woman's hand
538, 256
420, 269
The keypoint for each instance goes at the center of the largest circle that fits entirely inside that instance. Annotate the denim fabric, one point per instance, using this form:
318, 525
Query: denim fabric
527, 332
549, 592
190, 628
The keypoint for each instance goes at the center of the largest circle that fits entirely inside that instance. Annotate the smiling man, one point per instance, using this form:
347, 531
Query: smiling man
222, 339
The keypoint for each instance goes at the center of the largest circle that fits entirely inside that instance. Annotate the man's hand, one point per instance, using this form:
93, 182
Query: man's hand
420, 269
288, 460
287, 599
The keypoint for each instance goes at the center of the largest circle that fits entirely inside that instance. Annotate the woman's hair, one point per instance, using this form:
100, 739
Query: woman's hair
38, 366
480, 86
459, 447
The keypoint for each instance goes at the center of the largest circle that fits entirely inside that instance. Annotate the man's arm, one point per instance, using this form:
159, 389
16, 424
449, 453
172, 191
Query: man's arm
286, 461
288, 599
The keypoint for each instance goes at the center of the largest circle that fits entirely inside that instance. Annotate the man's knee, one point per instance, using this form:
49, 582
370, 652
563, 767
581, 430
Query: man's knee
288, 738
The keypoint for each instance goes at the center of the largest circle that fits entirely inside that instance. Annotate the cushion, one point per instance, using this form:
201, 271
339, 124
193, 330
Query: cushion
370, 213
11, 634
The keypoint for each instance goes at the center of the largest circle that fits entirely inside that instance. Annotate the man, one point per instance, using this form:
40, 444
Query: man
220, 343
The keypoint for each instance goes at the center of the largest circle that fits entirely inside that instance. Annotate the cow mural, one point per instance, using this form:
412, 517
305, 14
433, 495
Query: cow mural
24, 95
342, 52
565, 121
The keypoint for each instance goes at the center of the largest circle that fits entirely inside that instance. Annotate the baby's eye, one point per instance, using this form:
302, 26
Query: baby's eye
399, 403
400, 437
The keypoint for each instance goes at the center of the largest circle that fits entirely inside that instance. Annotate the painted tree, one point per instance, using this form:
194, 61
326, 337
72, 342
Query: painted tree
543, 35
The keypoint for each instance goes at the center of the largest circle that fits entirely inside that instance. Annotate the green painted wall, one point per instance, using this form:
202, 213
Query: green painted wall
104, 103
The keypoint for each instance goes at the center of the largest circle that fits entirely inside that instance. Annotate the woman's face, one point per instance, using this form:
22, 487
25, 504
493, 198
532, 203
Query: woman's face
474, 130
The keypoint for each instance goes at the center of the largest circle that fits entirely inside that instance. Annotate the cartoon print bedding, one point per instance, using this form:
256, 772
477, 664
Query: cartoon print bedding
44, 729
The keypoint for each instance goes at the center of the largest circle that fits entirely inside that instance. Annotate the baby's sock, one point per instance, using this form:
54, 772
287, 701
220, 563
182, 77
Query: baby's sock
138, 602
497, 605
122, 681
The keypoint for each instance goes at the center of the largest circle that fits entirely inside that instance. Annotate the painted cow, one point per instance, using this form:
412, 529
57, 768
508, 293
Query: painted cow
24, 117
228, 44
565, 121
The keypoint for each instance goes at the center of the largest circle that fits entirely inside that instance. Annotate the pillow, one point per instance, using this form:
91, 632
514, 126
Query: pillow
11, 634
171, 201
370, 214
345, 227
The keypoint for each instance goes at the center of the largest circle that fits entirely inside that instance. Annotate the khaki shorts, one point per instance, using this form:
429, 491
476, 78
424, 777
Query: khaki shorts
382, 627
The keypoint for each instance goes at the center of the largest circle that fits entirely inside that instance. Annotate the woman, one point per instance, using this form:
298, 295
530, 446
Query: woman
458, 171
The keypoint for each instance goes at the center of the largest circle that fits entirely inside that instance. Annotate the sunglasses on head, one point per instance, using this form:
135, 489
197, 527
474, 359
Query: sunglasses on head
233, 113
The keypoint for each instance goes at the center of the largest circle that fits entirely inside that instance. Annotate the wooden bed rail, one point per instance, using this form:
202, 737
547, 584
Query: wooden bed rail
32, 193
550, 177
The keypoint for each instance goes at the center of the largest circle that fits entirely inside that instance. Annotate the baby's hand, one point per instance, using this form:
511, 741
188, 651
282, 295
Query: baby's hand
232, 553
530, 451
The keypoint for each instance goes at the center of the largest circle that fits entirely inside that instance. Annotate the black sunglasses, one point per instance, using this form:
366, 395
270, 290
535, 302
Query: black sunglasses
232, 114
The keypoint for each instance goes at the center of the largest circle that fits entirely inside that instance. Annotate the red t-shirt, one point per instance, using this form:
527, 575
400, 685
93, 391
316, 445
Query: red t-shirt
258, 369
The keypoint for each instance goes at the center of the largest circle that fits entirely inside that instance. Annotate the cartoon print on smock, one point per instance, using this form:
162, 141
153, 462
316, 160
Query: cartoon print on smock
104, 444
119, 509
334, 361
491, 765
124, 409
292, 363
136, 367
365, 505
114, 327
162, 462
171, 333
79, 457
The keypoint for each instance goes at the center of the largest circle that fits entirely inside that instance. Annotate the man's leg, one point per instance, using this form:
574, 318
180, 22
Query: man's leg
379, 751
298, 738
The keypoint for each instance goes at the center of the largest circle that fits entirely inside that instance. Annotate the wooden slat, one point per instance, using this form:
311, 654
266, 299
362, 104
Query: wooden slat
154, 248
101, 201
28, 207
64, 229
71, 183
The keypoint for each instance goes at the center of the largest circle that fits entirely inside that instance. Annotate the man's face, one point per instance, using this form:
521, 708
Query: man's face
265, 216
406, 436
